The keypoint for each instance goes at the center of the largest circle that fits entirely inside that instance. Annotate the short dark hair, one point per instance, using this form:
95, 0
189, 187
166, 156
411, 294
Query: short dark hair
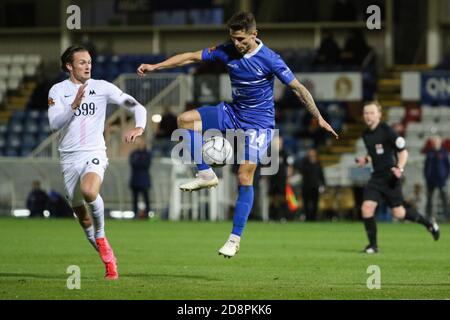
242, 21
376, 103
67, 56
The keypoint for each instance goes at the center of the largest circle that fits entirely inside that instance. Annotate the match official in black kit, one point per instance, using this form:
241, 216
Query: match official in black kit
388, 155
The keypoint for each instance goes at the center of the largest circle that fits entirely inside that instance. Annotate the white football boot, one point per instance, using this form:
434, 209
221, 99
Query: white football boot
200, 183
231, 247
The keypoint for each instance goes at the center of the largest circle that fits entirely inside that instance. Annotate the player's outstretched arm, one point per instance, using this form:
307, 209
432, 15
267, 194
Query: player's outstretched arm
307, 100
175, 61
116, 96
60, 114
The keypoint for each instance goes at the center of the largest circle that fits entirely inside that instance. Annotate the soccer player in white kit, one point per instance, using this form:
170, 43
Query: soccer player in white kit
77, 108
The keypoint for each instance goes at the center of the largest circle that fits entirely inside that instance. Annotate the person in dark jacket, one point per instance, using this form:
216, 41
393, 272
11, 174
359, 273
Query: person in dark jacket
37, 200
328, 54
437, 171
140, 161
277, 185
313, 183
58, 206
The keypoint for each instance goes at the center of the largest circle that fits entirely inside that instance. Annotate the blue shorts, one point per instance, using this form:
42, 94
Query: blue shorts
254, 142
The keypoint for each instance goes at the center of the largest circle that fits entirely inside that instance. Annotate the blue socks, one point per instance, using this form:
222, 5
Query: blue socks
244, 205
195, 142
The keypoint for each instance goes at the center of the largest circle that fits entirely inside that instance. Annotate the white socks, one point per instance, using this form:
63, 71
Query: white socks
90, 236
234, 238
207, 174
97, 209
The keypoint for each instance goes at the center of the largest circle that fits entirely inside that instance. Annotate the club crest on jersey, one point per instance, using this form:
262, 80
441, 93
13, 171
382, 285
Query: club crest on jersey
379, 148
51, 102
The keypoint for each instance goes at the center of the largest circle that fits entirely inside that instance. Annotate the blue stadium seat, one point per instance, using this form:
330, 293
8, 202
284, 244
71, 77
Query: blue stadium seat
10, 152
18, 115
14, 140
29, 140
24, 151
15, 127
3, 129
32, 114
41, 137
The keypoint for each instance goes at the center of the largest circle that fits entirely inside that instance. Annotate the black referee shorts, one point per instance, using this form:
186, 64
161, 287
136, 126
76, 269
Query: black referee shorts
387, 188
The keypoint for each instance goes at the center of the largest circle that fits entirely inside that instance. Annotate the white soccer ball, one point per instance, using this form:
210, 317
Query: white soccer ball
217, 151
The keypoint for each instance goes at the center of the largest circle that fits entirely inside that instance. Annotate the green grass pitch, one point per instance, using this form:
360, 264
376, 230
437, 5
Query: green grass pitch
179, 260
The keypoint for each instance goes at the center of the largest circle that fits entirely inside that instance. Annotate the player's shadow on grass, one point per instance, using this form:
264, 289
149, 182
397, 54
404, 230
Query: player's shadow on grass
159, 275
32, 275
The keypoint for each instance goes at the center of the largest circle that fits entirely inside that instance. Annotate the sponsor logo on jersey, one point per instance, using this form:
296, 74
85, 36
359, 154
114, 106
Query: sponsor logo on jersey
91, 92
95, 161
379, 148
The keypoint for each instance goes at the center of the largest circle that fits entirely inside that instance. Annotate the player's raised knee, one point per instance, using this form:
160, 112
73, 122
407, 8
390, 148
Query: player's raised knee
89, 194
399, 212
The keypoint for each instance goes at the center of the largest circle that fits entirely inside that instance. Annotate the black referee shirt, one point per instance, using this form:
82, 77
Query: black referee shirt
382, 144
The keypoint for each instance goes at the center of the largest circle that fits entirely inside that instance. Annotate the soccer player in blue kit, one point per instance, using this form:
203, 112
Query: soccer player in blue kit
251, 67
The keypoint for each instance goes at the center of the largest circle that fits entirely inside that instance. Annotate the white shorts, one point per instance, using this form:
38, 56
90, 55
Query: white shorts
74, 169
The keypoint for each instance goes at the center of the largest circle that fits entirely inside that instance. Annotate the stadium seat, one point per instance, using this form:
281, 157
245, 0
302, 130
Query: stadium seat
24, 151
15, 127
18, 59
3, 129
30, 70
5, 60
16, 71
41, 137
4, 72
33, 59
13, 83
10, 152
3, 85
17, 117
29, 141
33, 114
13, 141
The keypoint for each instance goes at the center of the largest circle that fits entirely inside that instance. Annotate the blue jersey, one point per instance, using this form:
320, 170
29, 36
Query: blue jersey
252, 80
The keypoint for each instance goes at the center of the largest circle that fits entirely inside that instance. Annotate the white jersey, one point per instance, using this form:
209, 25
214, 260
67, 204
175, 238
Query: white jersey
82, 130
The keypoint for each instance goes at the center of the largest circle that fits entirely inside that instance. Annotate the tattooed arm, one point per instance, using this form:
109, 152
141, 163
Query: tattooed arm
307, 100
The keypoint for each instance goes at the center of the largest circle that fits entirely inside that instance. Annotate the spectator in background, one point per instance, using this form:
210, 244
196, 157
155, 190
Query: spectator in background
37, 200
277, 185
312, 185
356, 49
58, 206
140, 184
329, 52
436, 171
